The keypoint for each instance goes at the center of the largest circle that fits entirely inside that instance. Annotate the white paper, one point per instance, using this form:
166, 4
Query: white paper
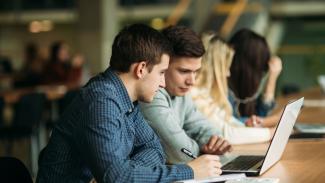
254, 180
220, 178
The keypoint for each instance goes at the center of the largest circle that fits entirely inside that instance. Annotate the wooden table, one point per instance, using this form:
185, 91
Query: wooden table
303, 161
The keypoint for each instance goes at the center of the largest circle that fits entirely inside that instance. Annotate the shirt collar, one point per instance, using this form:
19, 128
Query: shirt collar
122, 94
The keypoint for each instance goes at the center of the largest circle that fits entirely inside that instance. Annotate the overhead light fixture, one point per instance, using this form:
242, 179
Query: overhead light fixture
157, 23
35, 27
40, 26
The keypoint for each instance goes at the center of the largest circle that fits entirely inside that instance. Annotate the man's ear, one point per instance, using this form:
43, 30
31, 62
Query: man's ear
140, 69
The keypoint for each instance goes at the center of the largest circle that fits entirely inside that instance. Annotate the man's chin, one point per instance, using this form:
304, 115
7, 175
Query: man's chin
180, 94
176, 93
146, 100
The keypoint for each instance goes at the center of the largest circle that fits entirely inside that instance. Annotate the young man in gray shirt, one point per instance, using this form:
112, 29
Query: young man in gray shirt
172, 114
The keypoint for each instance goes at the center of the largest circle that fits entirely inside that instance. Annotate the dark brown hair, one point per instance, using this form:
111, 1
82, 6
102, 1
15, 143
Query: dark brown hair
185, 42
55, 49
137, 43
249, 64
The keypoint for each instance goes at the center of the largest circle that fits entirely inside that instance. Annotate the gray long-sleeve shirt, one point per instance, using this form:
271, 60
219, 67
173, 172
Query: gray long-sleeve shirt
179, 124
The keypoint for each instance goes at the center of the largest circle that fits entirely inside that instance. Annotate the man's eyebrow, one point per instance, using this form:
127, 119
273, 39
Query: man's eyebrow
188, 70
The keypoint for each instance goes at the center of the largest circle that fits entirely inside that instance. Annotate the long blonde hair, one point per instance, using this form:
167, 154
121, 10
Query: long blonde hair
215, 67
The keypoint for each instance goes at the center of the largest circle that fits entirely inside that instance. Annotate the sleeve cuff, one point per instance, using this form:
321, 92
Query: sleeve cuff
185, 171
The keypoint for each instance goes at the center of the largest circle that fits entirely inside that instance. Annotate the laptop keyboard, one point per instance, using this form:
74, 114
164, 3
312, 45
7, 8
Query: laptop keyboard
242, 163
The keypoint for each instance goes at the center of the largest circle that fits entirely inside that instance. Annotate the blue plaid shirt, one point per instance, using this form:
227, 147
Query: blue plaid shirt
103, 134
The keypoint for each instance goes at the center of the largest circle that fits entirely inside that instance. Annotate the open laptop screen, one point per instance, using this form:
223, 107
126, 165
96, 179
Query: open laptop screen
282, 133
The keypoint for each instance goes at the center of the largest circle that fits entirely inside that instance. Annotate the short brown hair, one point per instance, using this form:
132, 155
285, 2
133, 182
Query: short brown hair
185, 42
136, 43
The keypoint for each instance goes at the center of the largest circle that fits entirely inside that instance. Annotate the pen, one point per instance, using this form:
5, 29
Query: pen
254, 122
188, 153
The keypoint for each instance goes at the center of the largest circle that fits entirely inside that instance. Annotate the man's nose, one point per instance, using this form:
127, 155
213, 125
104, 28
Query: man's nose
162, 83
191, 79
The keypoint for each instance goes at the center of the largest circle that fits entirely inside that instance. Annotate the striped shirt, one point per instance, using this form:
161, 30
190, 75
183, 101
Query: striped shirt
102, 134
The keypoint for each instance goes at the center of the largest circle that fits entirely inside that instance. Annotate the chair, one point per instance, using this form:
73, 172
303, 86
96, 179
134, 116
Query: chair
12, 170
2, 105
28, 113
59, 106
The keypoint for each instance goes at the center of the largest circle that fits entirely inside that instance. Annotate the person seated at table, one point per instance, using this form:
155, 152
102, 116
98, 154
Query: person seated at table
172, 113
32, 69
103, 134
61, 68
6, 73
253, 76
210, 94
5, 65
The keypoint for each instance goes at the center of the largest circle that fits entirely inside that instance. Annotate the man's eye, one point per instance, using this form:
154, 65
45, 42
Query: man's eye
182, 71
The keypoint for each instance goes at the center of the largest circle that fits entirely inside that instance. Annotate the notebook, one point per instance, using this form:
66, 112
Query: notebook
310, 128
308, 131
257, 165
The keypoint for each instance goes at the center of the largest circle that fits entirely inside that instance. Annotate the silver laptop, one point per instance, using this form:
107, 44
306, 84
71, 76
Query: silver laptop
256, 165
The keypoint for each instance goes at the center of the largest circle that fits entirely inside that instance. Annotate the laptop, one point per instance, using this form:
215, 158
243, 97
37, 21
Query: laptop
253, 165
308, 131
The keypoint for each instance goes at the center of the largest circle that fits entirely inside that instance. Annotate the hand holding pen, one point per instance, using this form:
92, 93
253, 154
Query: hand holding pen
203, 166
254, 121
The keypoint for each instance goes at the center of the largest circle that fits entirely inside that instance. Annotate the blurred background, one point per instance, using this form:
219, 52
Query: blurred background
295, 29
71, 39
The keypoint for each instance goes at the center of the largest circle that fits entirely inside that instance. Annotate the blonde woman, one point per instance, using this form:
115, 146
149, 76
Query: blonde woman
211, 94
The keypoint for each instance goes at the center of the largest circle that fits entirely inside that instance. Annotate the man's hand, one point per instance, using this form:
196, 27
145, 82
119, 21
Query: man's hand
216, 145
205, 166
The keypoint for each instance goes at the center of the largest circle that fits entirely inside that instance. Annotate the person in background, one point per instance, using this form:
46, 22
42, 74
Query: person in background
103, 135
6, 73
61, 69
172, 113
31, 73
253, 78
5, 65
210, 94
